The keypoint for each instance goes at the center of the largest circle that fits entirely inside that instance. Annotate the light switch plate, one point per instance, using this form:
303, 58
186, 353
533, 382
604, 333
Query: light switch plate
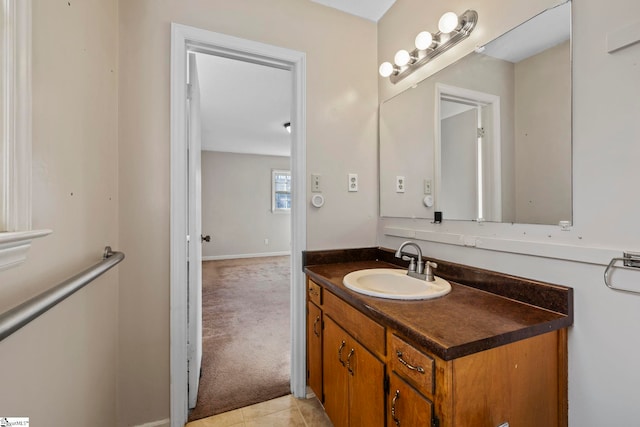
427, 187
353, 182
315, 183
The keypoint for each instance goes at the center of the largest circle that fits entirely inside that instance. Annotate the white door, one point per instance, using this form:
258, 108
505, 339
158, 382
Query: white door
194, 351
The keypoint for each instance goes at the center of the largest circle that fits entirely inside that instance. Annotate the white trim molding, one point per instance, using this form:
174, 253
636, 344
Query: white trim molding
186, 39
16, 136
240, 256
161, 423
15, 144
14, 246
556, 250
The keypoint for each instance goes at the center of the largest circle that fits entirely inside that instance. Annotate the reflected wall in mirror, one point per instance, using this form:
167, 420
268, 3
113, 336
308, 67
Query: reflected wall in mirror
490, 135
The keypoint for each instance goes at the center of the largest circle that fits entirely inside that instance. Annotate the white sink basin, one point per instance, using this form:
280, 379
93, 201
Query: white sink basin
394, 283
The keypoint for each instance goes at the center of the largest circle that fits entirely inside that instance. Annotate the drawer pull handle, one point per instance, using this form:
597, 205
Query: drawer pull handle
393, 408
349, 361
340, 353
315, 331
418, 369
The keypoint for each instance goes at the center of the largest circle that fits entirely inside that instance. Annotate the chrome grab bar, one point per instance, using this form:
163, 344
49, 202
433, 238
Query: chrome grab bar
629, 260
18, 316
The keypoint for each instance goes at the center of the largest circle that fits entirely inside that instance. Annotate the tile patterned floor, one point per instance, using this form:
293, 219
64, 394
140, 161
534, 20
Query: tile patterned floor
281, 412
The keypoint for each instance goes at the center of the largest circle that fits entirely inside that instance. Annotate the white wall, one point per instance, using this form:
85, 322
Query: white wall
341, 109
236, 206
60, 370
542, 133
603, 370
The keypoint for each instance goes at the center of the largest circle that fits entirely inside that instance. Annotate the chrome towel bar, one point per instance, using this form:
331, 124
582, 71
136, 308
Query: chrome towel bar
18, 316
629, 260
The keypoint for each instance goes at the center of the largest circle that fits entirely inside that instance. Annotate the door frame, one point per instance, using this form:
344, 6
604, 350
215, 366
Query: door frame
183, 40
494, 149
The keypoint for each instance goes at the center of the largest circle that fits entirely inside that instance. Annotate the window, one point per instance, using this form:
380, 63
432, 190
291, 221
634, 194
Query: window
280, 191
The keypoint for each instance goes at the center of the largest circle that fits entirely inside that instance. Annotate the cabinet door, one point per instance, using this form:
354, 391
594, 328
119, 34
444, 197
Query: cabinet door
366, 388
406, 406
314, 349
335, 375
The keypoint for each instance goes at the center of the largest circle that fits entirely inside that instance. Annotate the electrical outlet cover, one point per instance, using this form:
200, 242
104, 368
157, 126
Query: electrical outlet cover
353, 182
400, 184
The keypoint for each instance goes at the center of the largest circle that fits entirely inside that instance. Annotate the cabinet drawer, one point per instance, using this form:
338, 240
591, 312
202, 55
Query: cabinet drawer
417, 367
315, 292
367, 331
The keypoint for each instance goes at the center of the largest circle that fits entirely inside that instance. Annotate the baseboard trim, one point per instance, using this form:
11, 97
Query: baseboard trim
259, 255
161, 423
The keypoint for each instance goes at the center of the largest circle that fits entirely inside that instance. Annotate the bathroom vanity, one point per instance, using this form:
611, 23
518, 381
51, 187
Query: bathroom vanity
490, 353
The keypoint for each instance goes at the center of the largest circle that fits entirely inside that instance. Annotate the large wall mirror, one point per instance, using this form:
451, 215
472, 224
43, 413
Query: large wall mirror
487, 138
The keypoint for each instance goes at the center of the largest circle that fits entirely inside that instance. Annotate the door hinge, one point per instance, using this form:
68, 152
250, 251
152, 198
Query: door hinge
189, 91
435, 422
481, 132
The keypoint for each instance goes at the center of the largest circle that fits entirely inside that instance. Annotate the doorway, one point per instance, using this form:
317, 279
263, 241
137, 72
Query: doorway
467, 148
188, 39
245, 189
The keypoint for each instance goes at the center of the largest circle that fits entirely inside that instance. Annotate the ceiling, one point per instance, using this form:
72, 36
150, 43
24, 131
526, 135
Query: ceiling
244, 106
538, 34
372, 10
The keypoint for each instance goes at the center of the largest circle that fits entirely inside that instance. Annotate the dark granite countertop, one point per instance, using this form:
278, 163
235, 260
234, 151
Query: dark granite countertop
467, 320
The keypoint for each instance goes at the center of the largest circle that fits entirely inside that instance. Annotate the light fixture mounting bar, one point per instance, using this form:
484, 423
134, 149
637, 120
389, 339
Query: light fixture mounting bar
468, 21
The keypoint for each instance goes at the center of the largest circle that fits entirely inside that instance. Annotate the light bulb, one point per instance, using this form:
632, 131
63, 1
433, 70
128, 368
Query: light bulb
424, 40
402, 58
386, 69
448, 22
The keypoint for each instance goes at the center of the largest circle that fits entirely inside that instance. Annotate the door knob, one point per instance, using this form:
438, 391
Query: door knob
206, 238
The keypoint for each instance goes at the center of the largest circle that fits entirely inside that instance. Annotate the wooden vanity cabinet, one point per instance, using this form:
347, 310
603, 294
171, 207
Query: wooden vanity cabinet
520, 383
353, 380
314, 338
370, 375
345, 360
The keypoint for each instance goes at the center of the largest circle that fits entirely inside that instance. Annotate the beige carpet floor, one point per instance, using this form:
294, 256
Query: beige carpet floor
246, 339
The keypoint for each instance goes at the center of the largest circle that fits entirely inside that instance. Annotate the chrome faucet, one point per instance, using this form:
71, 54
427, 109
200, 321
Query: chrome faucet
417, 267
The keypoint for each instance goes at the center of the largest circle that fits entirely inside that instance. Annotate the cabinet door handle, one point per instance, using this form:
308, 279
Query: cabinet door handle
349, 361
340, 353
418, 369
315, 331
393, 408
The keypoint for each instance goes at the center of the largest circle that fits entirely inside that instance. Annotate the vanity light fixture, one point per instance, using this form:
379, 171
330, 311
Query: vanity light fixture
452, 30
287, 127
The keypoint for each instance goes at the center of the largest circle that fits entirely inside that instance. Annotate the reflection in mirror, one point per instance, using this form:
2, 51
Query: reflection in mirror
467, 168
490, 135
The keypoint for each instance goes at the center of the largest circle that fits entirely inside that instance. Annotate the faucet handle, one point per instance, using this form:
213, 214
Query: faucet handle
430, 265
412, 262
